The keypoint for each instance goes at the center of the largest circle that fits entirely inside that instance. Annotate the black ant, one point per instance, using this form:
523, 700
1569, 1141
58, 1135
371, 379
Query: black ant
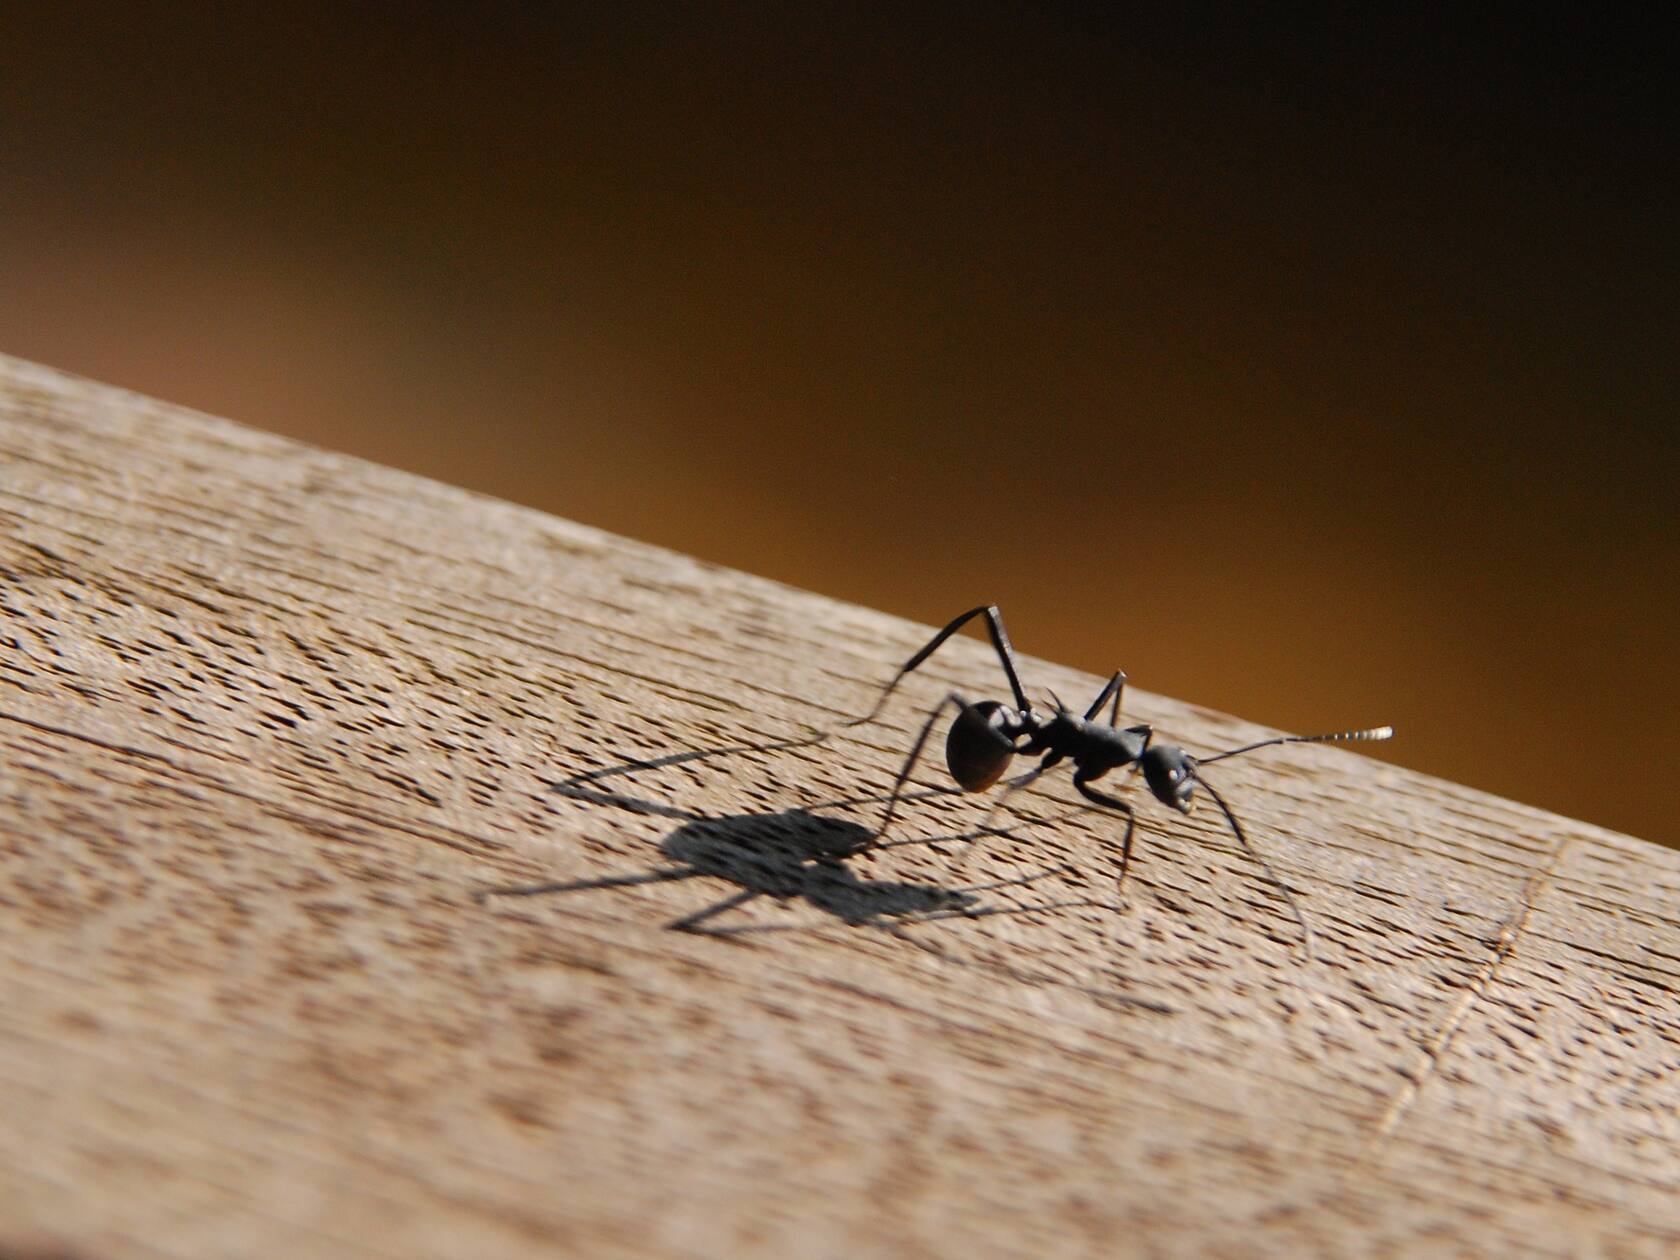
987, 736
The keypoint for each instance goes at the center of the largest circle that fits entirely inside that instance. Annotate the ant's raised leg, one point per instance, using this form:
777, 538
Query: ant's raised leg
1000, 641
1112, 802
1115, 687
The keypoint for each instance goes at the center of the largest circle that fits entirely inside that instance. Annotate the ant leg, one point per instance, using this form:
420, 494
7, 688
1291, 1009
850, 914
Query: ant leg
1014, 787
910, 765
1019, 785
960, 871
1115, 687
1000, 641
1091, 794
998, 803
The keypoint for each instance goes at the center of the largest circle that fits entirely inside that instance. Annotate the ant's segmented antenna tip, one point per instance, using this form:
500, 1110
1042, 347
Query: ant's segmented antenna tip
1337, 737
1345, 737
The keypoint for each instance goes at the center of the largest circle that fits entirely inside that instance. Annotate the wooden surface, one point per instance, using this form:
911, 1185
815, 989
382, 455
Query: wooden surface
283, 736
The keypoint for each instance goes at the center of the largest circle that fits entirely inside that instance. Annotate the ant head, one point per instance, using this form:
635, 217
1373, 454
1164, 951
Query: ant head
1171, 774
977, 750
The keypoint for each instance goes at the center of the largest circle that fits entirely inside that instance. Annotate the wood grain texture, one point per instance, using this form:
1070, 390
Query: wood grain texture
280, 731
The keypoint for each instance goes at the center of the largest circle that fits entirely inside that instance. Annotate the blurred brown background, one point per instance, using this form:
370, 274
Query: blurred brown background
1326, 375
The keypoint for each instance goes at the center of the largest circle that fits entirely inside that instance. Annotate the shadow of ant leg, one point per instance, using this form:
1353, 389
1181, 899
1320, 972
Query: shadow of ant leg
988, 912
580, 786
920, 794
657, 876
950, 908
1020, 881
987, 827
692, 922
966, 838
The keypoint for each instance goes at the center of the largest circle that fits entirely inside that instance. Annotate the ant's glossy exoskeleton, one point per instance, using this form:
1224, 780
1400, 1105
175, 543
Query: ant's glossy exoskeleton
987, 736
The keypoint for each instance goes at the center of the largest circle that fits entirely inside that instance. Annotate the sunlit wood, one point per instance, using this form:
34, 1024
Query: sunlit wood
290, 744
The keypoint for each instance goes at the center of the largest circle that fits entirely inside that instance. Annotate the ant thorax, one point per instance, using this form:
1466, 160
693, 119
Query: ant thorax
1099, 748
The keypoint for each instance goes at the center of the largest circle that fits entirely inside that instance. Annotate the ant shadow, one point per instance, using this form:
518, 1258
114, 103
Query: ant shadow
800, 855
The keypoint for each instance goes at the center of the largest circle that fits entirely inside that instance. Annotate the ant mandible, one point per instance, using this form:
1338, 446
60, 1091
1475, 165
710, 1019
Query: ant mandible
987, 736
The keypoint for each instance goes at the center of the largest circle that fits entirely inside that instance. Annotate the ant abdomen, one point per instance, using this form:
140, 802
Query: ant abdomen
977, 750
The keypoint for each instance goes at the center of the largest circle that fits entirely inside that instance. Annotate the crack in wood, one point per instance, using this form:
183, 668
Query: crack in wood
1434, 1049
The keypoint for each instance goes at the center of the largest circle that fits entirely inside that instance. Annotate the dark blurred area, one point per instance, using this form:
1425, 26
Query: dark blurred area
1324, 374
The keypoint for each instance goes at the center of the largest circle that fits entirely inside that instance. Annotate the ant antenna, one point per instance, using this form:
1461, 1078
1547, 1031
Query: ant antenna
1253, 853
1196, 763
1370, 733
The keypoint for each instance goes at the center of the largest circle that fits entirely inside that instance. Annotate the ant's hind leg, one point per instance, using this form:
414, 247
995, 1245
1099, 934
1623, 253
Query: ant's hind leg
909, 766
1000, 802
968, 908
1000, 642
